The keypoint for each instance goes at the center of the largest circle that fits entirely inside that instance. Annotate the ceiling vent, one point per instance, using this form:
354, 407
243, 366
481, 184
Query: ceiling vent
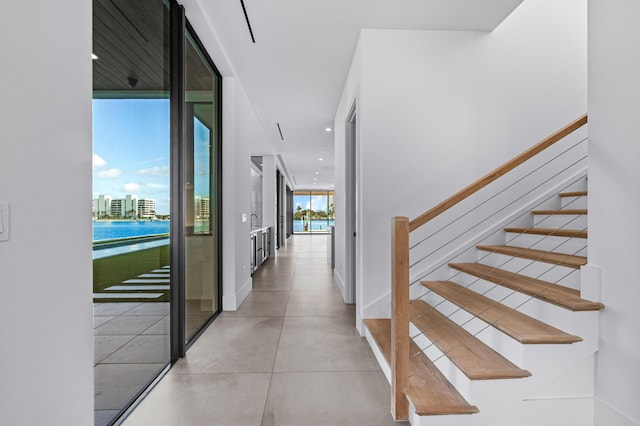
246, 17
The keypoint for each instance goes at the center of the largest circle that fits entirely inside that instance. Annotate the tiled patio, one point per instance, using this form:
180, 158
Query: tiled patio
131, 346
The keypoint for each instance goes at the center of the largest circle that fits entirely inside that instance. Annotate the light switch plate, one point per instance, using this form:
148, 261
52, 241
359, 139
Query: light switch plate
244, 217
4, 222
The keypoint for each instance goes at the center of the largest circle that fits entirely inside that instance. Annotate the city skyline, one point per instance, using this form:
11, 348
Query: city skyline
131, 149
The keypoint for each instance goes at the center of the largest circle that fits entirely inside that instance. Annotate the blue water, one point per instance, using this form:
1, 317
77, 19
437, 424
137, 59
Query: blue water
107, 230
314, 225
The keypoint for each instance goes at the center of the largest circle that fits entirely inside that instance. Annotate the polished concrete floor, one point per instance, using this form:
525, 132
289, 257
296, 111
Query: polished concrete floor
290, 355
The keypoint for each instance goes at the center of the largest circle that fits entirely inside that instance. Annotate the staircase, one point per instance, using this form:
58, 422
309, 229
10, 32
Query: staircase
506, 339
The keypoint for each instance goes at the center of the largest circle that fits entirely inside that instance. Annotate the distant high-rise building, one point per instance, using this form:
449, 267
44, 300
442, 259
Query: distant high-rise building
146, 208
101, 206
125, 207
202, 207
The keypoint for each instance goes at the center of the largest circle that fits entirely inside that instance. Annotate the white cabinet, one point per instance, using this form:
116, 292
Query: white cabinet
260, 247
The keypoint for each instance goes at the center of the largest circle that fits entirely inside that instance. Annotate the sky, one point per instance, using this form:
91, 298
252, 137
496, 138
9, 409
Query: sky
131, 150
316, 202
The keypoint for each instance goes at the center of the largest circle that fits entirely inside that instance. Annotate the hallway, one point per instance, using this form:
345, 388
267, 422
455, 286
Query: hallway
290, 355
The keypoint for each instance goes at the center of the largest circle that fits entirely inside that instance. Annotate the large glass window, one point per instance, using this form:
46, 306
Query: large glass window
131, 212
201, 195
313, 211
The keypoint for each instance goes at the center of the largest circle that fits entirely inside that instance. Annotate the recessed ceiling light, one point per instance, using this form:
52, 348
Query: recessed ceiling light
94, 56
328, 129
320, 159
317, 173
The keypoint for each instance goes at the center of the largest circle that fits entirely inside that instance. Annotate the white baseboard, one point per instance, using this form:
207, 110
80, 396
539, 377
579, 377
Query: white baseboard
379, 308
360, 323
233, 302
339, 283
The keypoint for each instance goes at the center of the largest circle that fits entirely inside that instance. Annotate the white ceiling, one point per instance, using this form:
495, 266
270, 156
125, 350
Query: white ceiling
295, 72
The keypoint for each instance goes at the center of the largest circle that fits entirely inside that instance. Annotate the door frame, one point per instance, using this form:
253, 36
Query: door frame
351, 205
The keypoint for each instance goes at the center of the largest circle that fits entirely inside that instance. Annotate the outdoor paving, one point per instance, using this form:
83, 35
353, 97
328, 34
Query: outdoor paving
131, 346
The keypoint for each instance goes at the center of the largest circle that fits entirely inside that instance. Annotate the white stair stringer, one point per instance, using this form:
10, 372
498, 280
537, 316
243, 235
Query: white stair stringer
546, 362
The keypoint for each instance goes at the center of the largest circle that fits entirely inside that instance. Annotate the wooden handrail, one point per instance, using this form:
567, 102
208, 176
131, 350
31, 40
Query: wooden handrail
505, 168
399, 317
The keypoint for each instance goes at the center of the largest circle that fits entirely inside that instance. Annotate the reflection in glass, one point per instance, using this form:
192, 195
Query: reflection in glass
200, 192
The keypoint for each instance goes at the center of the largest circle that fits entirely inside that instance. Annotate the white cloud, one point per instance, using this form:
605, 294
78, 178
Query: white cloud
111, 173
156, 186
131, 187
98, 161
155, 171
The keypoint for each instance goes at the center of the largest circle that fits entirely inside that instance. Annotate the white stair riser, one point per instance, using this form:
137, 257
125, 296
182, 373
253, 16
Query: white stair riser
560, 221
386, 370
575, 246
498, 341
556, 274
573, 202
453, 374
551, 314
477, 392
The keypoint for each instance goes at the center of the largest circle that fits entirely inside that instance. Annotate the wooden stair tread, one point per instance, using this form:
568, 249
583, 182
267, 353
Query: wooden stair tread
474, 358
380, 329
573, 194
562, 259
563, 211
564, 297
429, 391
569, 233
521, 327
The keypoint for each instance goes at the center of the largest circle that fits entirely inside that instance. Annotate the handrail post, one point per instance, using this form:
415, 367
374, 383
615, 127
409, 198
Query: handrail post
399, 317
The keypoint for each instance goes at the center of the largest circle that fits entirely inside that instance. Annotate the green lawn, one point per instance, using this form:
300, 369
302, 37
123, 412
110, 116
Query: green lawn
114, 270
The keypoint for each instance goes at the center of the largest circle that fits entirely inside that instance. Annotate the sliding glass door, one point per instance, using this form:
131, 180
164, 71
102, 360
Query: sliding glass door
156, 202
131, 211
201, 196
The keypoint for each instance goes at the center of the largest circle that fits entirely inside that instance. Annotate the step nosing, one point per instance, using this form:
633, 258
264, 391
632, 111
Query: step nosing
518, 325
558, 295
556, 258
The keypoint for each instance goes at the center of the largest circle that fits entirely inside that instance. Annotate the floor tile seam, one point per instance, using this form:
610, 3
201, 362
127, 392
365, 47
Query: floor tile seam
123, 345
327, 315
134, 363
328, 371
133, 307
120, 316
221, 373
145, 315
275, 358
106, 322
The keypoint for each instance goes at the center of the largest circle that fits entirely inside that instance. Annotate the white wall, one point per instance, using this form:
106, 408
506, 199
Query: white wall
440, 109
240, 126
350, 95
46, 319
241, 131
614, 182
